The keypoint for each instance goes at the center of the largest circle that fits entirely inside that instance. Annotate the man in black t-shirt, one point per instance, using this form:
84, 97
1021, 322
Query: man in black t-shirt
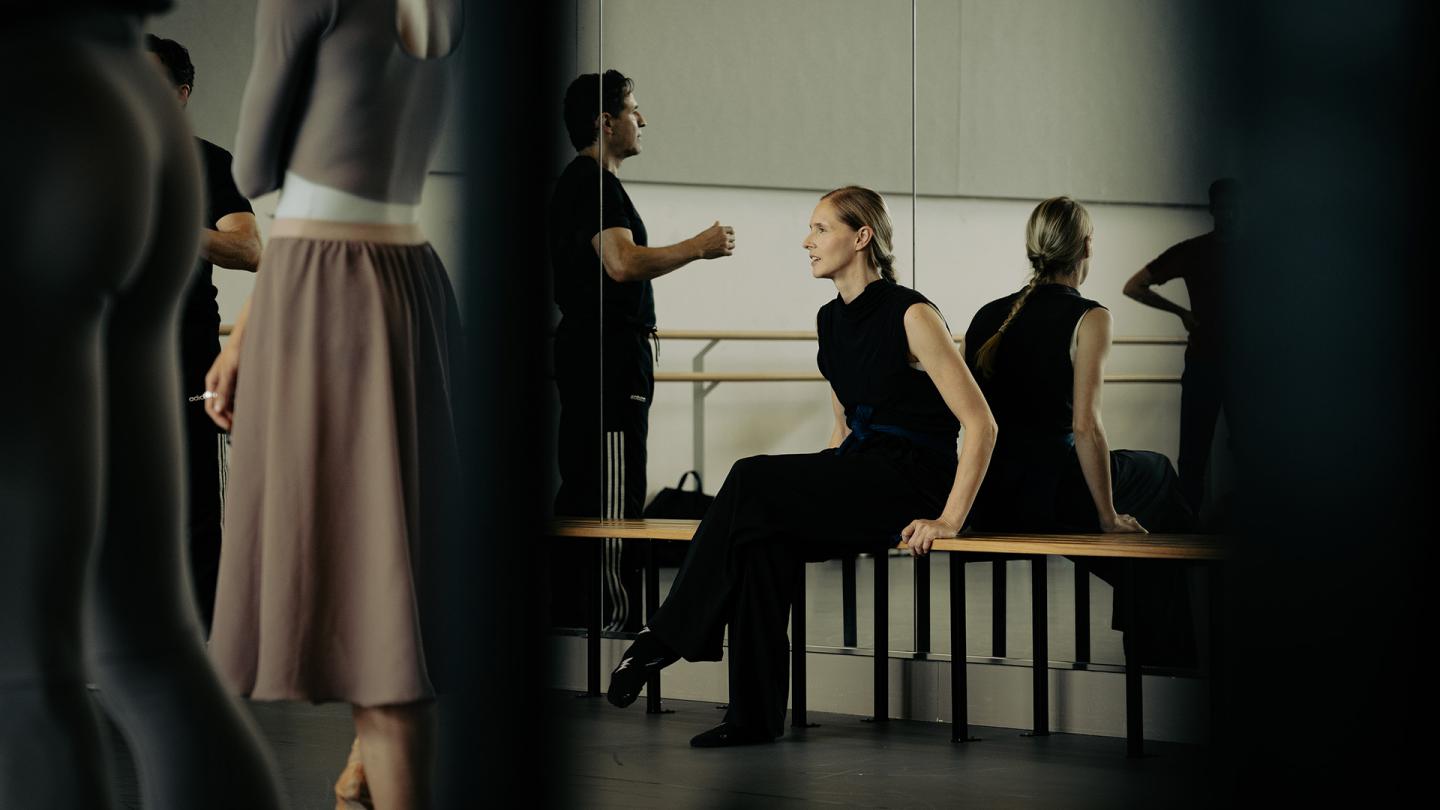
602, 265
230, 238
1200, 262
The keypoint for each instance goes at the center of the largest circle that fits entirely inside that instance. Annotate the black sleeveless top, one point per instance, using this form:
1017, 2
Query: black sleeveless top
1032, 392
866, 357
1032, 396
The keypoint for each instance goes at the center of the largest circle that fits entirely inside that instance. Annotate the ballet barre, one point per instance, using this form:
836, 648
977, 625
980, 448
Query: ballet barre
702, 382
1035, 548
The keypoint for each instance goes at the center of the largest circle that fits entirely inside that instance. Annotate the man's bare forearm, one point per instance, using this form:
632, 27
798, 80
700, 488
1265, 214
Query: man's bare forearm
1150, 298
647, 263
236, 251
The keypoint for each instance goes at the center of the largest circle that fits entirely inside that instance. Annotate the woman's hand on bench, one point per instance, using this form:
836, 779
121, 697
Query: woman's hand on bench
921, 534
1122, 524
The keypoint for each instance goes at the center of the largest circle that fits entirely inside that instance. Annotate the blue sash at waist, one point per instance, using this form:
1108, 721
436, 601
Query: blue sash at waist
862, 428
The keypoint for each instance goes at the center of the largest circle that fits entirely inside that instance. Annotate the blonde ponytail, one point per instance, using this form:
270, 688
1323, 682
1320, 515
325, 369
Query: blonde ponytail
1055, 244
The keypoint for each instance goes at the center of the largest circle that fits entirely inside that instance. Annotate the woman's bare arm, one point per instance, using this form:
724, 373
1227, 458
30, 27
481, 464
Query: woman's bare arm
1091, 444
931, 344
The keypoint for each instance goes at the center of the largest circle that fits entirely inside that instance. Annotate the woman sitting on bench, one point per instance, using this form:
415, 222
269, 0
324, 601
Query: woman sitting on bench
1039, 355
900, 393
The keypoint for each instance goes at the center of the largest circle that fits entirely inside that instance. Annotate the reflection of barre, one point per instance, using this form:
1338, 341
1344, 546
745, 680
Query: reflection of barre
815, 376
704, 382
699, 334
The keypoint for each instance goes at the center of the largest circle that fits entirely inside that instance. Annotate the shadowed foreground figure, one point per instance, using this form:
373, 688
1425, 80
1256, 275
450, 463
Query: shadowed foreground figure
900, 393
101, 227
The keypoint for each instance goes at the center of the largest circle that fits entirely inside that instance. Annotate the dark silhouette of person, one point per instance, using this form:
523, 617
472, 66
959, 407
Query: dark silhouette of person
102, 229
1199, 261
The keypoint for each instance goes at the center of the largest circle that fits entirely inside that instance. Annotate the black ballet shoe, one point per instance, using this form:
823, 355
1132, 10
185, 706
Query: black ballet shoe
727, 734
647, 655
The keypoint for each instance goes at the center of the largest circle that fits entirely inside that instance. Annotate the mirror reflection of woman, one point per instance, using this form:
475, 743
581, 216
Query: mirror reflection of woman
900, 392
1039, 355
337, 379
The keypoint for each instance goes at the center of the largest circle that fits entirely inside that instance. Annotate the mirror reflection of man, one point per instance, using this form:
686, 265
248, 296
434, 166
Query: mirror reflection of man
229, 238
1199, 261
606, 388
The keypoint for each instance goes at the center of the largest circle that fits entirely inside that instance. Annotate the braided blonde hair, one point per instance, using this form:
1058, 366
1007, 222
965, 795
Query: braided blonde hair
1055, 244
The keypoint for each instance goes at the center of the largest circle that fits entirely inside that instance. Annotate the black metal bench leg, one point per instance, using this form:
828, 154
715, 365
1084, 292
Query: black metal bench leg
1134, 700
882, 637
1217, 652
847, 596
652, 604
592, 619
997, 608
1040, 631
922, 605
959, 687
798, 718
1082, 612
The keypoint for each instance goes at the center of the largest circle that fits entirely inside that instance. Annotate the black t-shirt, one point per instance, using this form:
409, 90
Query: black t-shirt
582, 288
1199, 262
199, 312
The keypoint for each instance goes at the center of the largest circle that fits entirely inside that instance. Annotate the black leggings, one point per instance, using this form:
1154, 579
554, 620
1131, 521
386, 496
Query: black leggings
101, 224
773, 514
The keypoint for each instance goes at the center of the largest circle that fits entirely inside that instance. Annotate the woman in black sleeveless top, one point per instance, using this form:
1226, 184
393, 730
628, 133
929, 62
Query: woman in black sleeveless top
900, 393
1039, 355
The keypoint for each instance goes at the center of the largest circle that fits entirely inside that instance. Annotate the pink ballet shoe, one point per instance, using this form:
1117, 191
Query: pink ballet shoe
351, 790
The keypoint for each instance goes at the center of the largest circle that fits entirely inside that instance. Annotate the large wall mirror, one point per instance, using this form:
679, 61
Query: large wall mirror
964, 114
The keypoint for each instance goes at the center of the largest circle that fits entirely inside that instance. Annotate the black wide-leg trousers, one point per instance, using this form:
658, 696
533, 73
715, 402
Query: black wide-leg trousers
602, 458
773, 514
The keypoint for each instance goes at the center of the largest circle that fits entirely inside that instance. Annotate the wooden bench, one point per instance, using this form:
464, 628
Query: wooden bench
969, 548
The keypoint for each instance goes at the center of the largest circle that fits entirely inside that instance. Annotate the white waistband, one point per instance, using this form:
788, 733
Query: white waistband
303, 199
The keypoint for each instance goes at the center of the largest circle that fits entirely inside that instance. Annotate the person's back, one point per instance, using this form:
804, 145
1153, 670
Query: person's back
340, 102
1039, 356
1031, 389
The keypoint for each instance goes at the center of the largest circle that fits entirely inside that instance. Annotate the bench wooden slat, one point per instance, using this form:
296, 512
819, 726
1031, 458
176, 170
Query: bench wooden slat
653, 529
1132, 546
802, 334
815, 376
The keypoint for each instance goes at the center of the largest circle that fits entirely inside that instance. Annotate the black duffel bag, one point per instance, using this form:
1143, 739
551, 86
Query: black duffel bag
678, 503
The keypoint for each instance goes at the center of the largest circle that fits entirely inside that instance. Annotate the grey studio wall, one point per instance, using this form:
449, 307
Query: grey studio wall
1107, 99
